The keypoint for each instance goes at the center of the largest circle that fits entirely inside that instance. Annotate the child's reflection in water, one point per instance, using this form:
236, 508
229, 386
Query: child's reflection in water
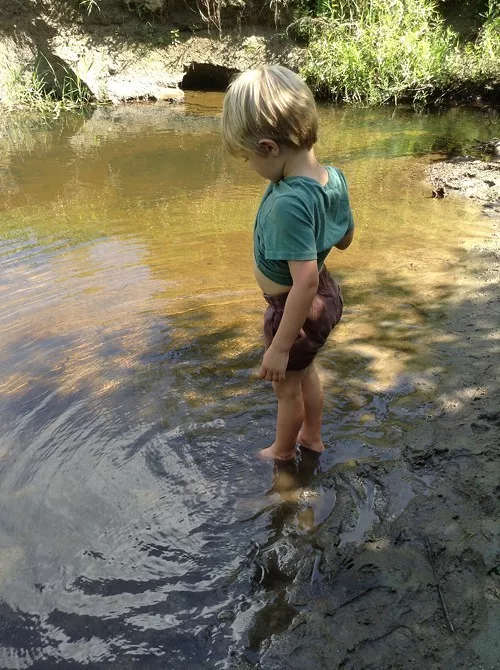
292, 482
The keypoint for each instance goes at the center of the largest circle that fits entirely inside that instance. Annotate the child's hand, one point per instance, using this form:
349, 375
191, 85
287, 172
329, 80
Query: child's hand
274, 365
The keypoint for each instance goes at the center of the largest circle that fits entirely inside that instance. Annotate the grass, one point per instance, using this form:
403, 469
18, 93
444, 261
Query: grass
90, 5
379, 51
32, 90
480, 60
359, 51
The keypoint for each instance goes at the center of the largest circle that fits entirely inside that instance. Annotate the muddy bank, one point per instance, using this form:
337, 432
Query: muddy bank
467, 177
405, 571
118, 56
347, 572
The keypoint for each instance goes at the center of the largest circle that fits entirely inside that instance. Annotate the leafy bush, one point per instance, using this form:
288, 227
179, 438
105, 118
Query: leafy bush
484, 54
377, 51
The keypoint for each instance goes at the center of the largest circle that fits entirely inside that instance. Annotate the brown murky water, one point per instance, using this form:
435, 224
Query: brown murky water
131, 501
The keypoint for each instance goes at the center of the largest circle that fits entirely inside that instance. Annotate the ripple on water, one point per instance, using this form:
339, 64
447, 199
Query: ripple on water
136, 526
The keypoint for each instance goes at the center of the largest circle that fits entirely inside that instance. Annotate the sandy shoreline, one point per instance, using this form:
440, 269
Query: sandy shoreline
423, 589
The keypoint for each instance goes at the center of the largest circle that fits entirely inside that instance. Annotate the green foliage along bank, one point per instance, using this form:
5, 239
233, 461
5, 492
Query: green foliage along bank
357, 51
378, 51
371, 51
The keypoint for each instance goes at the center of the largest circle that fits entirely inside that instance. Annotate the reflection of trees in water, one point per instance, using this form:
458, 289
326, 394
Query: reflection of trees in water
397, 132
121, 325
183, 369
75, 154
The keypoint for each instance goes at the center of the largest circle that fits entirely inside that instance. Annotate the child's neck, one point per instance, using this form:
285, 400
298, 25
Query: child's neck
303, 163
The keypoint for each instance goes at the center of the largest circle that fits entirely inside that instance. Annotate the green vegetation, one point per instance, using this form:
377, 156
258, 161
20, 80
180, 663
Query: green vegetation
49, 88
359, 51
89, 5
377, 51
479, 61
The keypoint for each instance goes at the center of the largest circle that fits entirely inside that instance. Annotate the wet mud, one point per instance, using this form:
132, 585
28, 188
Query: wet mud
468, 177
137, 529
404, 571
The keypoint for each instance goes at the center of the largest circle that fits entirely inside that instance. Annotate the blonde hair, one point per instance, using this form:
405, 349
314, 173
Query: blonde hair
270, 102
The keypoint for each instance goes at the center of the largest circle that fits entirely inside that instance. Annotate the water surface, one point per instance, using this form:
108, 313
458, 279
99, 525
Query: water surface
132, 507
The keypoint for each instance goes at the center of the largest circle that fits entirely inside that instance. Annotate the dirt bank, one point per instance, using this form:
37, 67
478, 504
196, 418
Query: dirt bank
421, 588
467, 177
120, 56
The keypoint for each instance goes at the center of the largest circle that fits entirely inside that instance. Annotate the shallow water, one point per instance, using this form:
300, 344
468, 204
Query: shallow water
132, 508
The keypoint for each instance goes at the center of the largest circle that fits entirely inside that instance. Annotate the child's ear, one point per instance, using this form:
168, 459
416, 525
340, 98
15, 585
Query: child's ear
270, 146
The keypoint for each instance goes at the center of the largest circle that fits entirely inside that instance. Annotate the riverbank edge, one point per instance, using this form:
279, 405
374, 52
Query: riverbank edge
112, 65
423, 589
112, 59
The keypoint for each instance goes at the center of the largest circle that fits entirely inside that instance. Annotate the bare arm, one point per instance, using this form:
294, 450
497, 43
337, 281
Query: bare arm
297, 306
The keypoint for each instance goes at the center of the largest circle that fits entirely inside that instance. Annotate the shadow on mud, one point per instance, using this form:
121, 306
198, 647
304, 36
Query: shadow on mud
418, 588
381, 552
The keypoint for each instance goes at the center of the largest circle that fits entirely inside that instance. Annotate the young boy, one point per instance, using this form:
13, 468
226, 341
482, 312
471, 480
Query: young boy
269, 118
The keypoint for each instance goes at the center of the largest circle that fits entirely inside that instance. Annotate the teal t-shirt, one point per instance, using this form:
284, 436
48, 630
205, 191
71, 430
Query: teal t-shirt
300, 220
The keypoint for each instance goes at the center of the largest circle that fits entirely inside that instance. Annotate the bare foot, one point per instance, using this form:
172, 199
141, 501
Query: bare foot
311, 445
271, 453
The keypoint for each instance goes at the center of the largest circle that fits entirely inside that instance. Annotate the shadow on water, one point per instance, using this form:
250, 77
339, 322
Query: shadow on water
359, 603
137, 529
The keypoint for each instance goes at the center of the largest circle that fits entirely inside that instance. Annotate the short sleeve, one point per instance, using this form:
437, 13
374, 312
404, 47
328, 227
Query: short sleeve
289, 231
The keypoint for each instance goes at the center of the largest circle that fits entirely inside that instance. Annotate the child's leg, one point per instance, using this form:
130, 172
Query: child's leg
290, 416
312, 394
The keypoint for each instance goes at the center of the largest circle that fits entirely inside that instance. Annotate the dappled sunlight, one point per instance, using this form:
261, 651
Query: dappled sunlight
70, 318
482, 287
130, 341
